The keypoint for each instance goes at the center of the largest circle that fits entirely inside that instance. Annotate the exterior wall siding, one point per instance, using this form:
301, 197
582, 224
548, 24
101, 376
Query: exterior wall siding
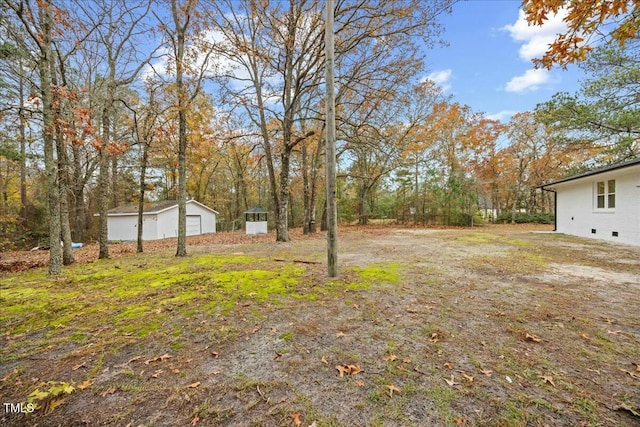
577, 213
163, 225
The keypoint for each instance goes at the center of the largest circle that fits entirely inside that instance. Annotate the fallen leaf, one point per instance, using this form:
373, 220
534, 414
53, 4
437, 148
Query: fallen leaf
296, 418
406, 360
460, 421
339, 334
215, 354
448, 365
195, 419
637, 365
75, 368
467, 377
547, 379
585, 337
434, 337
194, 385
356, 306
412, 310
84, 385
158, 359
631, 374
342, 370
617, 332
533, 338
360, 383
133, 359
390, 357
324, 360
110, 390
175, 371
393, 388
487, 372
55, 403
157, 373
348, 369
452, 381
354, 369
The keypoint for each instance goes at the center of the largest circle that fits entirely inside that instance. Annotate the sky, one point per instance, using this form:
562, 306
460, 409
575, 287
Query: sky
487, 64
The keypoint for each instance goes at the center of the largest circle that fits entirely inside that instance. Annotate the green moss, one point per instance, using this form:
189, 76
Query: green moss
287, 336
377, 273
176, 346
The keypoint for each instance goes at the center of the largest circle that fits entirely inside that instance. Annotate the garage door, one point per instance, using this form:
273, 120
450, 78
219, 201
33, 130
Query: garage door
193, 225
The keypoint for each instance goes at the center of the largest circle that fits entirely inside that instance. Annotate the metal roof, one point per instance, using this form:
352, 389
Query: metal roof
256, 210
151, 208
613, 167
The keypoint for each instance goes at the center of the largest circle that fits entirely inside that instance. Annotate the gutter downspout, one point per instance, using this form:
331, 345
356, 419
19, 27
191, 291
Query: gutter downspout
555, 207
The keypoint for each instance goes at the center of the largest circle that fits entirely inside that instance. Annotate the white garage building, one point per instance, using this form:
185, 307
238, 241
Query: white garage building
602, 204
160, 220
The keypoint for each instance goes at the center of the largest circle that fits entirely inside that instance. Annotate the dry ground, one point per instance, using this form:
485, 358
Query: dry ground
494, 326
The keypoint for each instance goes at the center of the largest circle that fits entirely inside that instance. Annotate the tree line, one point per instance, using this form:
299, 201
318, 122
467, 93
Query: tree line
107, 103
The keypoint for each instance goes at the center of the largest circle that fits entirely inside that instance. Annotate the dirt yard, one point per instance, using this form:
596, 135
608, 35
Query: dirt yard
491, 326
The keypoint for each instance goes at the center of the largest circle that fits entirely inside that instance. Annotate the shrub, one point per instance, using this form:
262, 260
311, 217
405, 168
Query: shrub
526, 217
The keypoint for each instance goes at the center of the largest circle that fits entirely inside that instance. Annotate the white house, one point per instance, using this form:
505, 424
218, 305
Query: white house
160, 220
602, 204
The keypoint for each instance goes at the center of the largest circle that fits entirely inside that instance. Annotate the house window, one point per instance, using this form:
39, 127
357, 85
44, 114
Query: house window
606, 194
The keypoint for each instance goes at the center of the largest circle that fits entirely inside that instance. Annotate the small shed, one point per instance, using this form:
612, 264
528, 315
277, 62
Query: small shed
160, 220
256, 221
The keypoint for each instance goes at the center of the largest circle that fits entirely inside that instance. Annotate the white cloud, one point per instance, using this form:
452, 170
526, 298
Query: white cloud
503, 115
536, 38
531, 80
441, 78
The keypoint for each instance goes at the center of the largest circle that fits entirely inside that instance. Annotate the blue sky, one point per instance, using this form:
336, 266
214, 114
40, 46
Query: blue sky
487, 64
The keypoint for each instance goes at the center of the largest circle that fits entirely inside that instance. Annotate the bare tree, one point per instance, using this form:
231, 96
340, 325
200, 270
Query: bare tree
38, 23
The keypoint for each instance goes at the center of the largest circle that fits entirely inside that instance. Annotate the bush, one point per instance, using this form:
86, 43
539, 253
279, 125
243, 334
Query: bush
526, 217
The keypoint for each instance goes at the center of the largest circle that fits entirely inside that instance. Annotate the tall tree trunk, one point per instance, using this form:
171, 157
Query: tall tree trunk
306, 193
282, 218
80, 223
103, 180
115, 201
330, 166
142, 188
23, 150
63, 177
51, 170
181, 28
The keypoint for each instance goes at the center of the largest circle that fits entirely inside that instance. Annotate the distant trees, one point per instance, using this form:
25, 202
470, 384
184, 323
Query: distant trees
117, 102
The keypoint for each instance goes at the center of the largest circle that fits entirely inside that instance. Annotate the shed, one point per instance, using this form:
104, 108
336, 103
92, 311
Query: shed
256, 221
603, 203
160, 220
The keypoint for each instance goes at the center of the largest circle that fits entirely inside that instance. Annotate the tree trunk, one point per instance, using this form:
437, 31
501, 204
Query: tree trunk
115, 202
51, 170
63, 181
323, 219
282, 229
23, 151
181, 29
80, 223
103, 203
143, 176
306, 196
330, 152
